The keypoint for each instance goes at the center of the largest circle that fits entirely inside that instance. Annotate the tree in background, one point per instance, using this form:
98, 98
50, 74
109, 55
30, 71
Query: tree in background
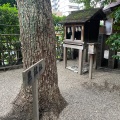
38, 42
57, 19
92, 3
114, 39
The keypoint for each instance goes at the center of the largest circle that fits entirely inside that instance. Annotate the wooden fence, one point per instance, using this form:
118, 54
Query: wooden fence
10, 47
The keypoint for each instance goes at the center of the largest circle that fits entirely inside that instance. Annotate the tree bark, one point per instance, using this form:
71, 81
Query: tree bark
38, 42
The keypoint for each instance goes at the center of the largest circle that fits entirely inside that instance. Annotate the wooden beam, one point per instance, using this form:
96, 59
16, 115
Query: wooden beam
95, 58
80, 47
73, 29
82, 33
35, 100
80, 66
65, 32
65, 57
91, 66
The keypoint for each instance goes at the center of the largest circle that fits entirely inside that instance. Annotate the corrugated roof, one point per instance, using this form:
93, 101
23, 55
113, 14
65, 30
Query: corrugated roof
81, 16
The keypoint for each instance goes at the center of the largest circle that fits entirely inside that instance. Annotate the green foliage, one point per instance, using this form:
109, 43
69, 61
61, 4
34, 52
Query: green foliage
116, 15
58, 28
59, 35
8, 25
114, 40
6, 11
57, 19
59, 40
8, 16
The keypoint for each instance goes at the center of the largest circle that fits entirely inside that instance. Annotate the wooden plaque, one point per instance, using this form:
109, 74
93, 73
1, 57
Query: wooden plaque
91, 49
33, 72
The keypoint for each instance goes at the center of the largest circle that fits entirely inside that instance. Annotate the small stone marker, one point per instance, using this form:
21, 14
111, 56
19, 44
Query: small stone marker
30, 77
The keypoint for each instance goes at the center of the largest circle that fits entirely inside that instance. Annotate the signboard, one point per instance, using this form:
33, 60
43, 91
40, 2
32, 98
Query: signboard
33, 72
30, 76
106, 54
91, 49
108, 25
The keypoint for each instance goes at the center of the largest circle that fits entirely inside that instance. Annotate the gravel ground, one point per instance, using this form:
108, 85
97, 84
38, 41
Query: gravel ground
96, 99
10, 84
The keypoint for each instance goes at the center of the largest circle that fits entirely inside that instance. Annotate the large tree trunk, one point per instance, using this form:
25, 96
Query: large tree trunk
38, 42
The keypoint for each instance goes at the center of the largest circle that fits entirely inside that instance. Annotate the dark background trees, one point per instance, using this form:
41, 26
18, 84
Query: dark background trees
12, 2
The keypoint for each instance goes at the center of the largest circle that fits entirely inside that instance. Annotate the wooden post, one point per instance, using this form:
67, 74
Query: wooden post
65, 57
95, 61
35, 100
73, 29
82, 33
64, 32
91, 66
72, 53
87, 56
80, 62
95, 58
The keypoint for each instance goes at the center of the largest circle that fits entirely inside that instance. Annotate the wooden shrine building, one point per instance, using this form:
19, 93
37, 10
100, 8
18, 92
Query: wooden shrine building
80, 28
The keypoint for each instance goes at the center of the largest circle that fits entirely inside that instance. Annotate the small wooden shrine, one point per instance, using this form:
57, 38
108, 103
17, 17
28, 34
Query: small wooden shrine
81, 27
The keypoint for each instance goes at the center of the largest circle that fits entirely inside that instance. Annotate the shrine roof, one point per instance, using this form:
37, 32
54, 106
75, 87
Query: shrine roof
83, 16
